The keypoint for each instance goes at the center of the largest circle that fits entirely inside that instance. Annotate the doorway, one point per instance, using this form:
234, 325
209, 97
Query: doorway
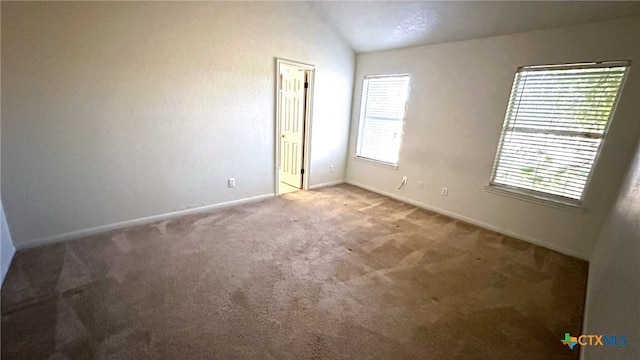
294, 91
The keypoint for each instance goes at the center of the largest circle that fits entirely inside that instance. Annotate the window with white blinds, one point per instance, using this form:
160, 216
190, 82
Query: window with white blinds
556, 120
381, 117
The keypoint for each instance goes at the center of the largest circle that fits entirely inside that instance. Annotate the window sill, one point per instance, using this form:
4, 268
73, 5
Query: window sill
377, 163
575, 208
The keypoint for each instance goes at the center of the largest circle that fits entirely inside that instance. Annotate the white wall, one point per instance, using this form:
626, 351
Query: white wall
7, 250
458, 98
613, 292
115, 111
6, 246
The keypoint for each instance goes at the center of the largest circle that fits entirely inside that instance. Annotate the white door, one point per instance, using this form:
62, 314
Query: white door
292, 113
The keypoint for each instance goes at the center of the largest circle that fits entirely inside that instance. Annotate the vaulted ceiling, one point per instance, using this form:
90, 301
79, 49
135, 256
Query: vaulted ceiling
381, 25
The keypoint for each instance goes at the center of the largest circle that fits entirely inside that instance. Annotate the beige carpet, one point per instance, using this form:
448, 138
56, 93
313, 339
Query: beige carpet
339, 273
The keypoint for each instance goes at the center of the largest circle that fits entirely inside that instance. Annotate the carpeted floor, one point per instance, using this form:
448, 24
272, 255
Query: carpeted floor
339, 273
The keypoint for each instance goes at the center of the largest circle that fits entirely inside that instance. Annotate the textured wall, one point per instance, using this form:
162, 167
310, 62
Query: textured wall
115, 111
459, 94
613, 292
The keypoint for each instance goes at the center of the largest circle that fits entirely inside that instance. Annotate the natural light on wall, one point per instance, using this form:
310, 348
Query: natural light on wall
382, 112
556, 120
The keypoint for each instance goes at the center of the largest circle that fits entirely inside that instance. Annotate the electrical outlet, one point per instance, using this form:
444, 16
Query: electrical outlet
444, 192
330, 168
420, 185
231, 182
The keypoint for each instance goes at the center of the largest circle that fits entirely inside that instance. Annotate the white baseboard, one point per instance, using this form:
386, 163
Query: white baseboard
140, 221
330, 183
481, 224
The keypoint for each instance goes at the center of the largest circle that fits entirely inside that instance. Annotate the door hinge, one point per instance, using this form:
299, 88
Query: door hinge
306, 85
302, 171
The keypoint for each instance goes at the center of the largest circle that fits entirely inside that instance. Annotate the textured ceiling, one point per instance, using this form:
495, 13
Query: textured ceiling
381, 25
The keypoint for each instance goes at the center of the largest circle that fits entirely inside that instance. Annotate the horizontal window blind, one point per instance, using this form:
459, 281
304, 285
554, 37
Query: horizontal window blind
556, 120
381, 117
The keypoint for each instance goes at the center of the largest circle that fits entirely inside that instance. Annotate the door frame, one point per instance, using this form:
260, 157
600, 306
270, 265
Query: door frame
306, 147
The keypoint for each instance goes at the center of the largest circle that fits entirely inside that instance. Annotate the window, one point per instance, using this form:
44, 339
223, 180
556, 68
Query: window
381, 117
556, 120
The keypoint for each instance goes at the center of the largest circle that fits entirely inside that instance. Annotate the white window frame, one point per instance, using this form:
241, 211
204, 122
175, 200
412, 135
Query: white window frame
361, 123
542, 197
